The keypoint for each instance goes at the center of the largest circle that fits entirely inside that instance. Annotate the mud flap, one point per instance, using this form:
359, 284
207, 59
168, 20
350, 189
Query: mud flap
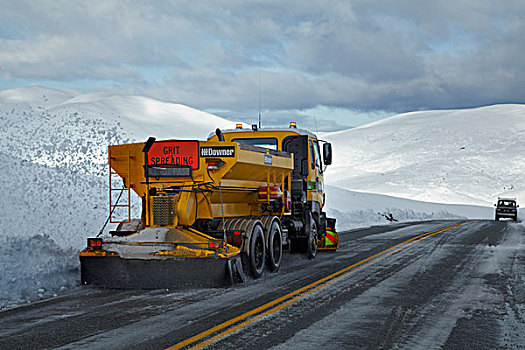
235, 271
331, 240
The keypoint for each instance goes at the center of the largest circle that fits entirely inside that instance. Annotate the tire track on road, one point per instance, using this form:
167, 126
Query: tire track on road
240, 322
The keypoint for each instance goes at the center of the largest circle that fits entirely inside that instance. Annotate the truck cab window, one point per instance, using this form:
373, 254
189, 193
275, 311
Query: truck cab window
317, 152
312, 155
266, 142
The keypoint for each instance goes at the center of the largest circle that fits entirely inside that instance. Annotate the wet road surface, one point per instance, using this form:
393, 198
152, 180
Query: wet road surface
442, 284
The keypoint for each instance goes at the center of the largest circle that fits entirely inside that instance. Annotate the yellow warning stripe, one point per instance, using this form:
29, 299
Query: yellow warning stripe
232, 325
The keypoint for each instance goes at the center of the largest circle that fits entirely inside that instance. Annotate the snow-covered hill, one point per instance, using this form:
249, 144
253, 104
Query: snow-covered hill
68, 130
469, 156
53, 148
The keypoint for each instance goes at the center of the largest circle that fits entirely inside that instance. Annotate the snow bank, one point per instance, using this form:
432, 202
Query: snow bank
357, 209
53, 147
34, 268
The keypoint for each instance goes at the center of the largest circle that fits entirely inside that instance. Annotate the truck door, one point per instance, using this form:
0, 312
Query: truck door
318, 167
315, 180
298, 145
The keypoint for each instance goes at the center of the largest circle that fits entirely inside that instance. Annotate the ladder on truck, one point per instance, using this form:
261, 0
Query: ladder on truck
126, 191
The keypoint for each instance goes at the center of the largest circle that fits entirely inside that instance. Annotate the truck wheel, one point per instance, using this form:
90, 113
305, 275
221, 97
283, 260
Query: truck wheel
257, 252
496, 218
275, 247
311, 248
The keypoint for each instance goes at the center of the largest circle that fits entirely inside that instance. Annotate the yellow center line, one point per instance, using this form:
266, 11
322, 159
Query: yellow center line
268, 308
279, 307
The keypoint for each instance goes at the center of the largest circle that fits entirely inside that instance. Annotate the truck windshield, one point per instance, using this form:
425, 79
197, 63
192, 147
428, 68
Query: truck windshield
506, 204
267, 142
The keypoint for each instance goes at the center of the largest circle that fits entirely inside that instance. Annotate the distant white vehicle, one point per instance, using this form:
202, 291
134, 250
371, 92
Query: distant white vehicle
506, 208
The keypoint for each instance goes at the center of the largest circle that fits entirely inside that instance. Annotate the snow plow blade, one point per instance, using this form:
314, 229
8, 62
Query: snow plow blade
182, 273
160, 258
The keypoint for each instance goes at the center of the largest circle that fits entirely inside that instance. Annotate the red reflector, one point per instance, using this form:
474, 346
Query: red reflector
214, 164
237, 233
94, 242
214, 245
275, 192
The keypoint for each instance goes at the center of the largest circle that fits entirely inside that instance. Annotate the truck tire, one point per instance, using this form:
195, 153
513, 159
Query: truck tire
496, 218
257, 252
311, 243
275, 247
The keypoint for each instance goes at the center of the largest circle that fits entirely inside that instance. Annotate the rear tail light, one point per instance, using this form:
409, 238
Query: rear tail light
94, 243
273, 192
214, 164
214, 245
234, 238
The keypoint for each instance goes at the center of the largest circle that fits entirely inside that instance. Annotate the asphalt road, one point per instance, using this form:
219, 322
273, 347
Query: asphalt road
453, 285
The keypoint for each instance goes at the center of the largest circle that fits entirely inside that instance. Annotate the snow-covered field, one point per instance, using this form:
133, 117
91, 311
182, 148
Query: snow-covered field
469, 156
53, 149
358, 209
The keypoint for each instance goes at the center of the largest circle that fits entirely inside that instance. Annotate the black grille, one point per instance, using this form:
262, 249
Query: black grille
163, 210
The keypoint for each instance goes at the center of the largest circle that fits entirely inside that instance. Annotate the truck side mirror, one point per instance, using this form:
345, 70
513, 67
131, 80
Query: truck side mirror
327, 153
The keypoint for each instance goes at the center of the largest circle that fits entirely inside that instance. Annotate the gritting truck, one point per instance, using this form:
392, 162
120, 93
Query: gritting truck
212, 211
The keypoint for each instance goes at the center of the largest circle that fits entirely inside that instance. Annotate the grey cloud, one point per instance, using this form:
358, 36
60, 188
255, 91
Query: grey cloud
283, 118
366, 54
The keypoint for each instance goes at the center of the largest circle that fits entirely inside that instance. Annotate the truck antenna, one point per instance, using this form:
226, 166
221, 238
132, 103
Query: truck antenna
259, 98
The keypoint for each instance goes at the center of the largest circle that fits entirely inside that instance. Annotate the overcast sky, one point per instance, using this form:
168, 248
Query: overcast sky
344, 62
